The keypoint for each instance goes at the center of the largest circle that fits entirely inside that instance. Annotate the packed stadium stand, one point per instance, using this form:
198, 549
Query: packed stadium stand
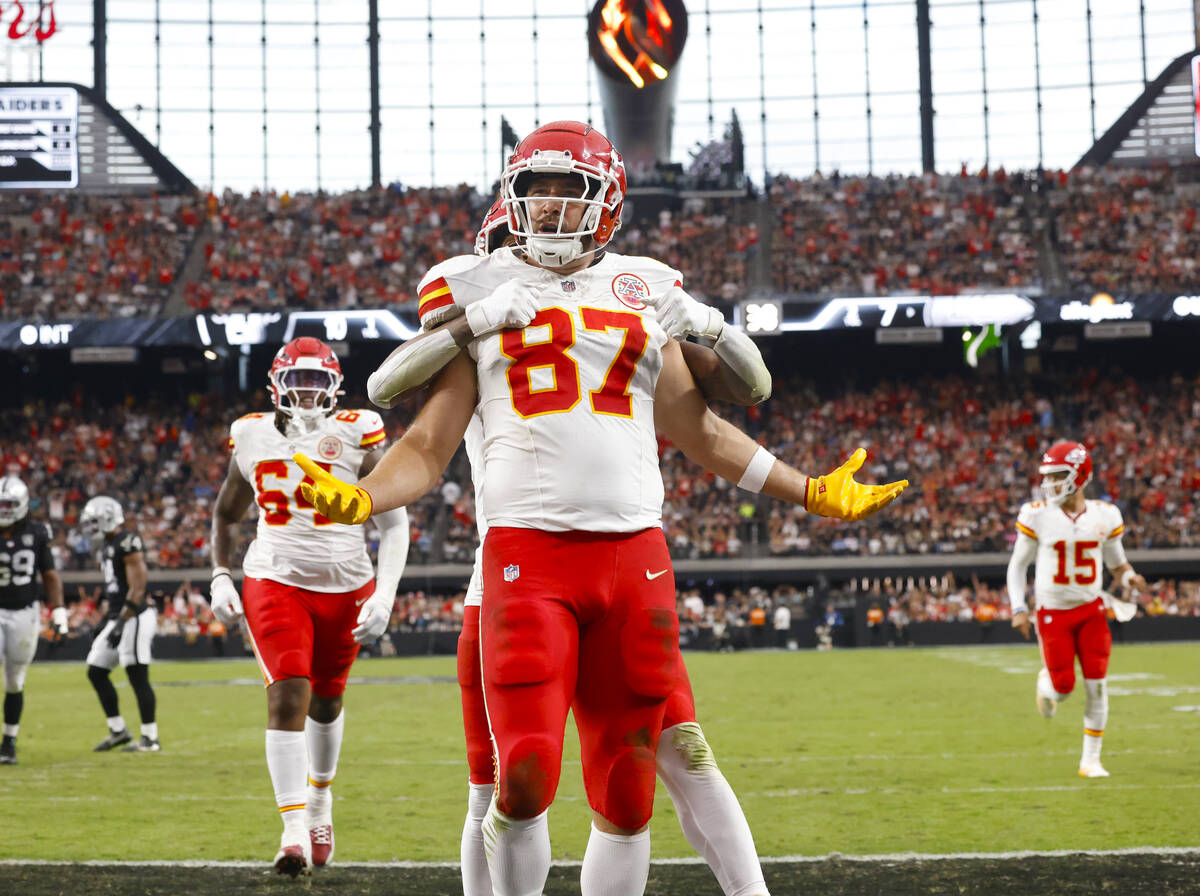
1128, 230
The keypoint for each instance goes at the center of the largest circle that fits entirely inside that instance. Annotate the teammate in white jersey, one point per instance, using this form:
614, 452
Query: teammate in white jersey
580, 603
309, 593
1073, 540
708, 810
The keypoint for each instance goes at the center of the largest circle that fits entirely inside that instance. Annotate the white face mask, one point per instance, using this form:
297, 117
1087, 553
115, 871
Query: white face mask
1056, 491
306, 394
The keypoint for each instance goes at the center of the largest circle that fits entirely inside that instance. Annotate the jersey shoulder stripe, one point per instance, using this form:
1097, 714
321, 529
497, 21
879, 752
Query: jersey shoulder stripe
1025, 530
434, 296
1117, 532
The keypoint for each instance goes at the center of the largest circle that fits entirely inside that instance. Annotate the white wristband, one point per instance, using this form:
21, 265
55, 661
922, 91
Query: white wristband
755, 475
1128, 577
221, 571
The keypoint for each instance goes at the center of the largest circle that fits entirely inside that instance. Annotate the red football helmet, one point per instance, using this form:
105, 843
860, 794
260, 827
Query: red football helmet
494, 230
1071, 458
305, 369
565, 147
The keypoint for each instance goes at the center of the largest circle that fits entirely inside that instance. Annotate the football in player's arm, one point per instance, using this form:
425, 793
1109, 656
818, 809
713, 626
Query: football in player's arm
24, 556
1072, 540
310, 596
131, 622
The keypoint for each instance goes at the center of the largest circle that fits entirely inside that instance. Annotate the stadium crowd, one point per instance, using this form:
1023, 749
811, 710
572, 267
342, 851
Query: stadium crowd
969, 445
66, 254
1118, 230
165, 468
1127, 230
935, 234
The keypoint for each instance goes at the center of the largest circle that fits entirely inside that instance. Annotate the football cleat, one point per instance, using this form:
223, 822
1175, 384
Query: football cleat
293, 859
321, 838
1047, 706
143, 744
114, 739
1092, 770
8, 751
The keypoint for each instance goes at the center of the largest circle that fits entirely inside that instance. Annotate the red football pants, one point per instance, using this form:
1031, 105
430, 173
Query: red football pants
481, 768
297, 633
583, 621
1065, 634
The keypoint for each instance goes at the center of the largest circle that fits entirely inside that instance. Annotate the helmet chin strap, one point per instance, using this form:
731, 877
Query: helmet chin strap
554, 252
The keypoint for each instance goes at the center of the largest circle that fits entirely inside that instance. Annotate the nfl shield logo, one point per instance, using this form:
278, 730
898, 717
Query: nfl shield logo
568, 286
511, 572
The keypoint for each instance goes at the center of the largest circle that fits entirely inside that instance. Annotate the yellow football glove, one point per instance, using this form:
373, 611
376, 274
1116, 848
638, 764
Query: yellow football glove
332, 498
837, 495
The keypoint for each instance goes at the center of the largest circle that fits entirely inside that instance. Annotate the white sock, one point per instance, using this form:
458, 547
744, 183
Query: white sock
115, 723
1095, 717
518, 852
476, 880
287, 761
709, 812
11, 730
324, 741
615, 864
150, 730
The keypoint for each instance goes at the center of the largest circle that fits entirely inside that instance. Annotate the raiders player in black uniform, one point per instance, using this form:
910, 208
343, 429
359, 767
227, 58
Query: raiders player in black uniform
129, 625
24, 553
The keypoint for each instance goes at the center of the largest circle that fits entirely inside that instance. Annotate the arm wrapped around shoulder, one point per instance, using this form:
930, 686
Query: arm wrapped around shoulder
411, 366
744, 360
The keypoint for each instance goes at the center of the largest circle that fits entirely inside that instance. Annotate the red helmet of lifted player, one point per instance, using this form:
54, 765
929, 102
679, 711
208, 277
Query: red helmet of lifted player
1071, 458
494, 230
304, 379
569, 148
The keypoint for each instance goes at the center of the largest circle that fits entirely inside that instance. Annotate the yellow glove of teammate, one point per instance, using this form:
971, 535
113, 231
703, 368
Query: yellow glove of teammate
837, 495
332, 498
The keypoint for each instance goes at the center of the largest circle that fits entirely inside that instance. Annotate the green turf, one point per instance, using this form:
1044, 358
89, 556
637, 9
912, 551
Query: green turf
857, 752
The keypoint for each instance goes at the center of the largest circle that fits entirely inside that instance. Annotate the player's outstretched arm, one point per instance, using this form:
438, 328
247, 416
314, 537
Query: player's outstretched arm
682, 415
413, 465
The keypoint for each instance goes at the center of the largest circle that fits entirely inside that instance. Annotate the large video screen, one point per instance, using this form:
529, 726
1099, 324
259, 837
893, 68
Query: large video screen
39, 137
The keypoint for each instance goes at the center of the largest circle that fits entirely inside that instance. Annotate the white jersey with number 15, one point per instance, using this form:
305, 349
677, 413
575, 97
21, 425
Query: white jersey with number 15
1072, 551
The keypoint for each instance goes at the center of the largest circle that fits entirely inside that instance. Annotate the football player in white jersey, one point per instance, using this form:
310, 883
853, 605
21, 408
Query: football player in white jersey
580, 601
1073, 540
310, 596
708, 810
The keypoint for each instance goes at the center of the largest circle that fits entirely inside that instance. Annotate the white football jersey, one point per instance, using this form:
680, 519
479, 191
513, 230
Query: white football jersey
1072, 551
293, 544
567, 403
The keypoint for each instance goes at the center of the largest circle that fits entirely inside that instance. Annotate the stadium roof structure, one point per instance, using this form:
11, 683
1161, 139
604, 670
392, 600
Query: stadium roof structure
1160, 126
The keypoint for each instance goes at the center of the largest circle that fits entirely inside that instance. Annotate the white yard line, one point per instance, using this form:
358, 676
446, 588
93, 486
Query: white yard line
688, 860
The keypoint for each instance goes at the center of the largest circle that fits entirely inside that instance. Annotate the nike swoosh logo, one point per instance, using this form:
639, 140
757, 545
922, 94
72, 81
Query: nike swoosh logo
359, 603
652, 576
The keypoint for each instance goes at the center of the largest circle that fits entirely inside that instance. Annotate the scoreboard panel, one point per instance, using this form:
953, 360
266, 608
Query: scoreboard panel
39, 137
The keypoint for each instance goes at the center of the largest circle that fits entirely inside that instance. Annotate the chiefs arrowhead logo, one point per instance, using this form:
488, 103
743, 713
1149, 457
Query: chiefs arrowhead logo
631, 291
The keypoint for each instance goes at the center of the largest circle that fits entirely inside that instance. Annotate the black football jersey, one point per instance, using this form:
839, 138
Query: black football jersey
112, 564
24, 552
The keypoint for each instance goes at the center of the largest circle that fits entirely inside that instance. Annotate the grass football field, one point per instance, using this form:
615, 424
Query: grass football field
850, 753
